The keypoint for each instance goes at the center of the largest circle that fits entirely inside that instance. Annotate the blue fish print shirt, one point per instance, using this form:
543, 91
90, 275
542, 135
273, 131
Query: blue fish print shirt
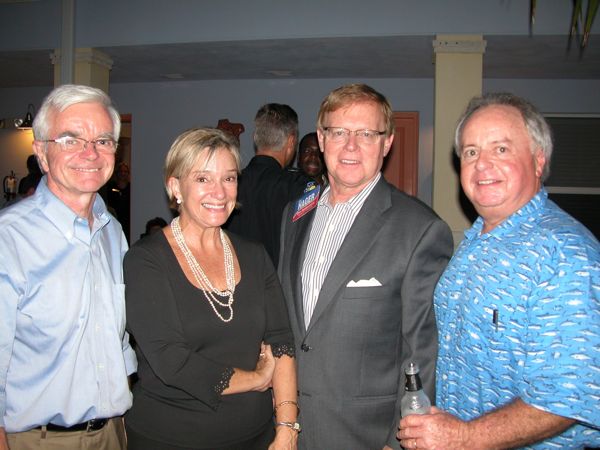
518, 314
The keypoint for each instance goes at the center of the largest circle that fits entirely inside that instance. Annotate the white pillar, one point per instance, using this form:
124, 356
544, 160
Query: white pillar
92, 68
458, 77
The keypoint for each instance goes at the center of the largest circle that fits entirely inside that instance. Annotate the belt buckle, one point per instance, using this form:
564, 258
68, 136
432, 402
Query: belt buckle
93, 425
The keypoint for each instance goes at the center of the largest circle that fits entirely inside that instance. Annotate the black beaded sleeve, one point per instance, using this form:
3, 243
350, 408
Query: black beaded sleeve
283, 349
224, 382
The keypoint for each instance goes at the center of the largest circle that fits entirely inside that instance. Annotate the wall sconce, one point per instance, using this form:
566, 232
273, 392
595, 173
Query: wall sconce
27, 122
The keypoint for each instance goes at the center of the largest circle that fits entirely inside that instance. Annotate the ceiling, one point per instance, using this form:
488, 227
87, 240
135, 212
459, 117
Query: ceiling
544, 57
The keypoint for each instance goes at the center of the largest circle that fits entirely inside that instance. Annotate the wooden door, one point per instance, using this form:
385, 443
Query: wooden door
400, 167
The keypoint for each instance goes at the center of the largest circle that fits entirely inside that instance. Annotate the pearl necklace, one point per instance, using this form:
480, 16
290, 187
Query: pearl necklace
205, 285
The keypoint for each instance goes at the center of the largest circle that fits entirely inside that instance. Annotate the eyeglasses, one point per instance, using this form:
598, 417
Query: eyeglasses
341, 135
72, 144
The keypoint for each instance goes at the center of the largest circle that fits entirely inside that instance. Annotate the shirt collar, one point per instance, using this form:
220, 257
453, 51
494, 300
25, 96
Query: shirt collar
355, 201
526, 213
63, 217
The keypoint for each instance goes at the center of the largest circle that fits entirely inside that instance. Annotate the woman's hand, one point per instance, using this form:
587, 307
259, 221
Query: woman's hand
264, 368
285, 439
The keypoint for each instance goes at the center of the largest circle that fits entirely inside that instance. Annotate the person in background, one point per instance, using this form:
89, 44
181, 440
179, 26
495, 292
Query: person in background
118, 195
64, 353
209, 318
358, 269
29, 182
518, 307
28, 185
265, 184
154, 226
310, 159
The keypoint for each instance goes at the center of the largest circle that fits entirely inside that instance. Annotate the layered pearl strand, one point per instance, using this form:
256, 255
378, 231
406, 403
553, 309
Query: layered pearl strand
205, 285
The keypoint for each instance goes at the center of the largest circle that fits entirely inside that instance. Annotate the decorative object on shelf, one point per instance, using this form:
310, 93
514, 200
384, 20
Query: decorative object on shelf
9, 185
233, 128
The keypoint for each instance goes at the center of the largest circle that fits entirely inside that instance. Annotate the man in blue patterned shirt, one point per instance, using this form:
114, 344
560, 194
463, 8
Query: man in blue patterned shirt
518, 307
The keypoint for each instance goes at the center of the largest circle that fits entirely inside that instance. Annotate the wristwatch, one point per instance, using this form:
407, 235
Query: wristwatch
293, 425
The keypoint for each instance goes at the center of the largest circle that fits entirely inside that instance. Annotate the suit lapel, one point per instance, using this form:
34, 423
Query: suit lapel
298, 252
361, 236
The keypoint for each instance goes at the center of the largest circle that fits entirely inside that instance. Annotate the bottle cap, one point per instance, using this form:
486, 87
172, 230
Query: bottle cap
412, 369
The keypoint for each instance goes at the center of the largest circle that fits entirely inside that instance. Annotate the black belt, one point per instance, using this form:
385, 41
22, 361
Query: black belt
90, 425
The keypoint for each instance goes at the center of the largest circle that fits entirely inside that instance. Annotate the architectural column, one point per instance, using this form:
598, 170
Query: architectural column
92, 68
458, 77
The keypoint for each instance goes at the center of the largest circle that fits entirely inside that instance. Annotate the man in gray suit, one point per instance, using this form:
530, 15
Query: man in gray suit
358, 265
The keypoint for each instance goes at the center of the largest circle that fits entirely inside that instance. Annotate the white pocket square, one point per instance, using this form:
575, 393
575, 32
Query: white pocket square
364, 283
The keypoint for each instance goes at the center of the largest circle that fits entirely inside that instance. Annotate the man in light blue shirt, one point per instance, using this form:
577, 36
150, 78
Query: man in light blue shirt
64, 353
518, 307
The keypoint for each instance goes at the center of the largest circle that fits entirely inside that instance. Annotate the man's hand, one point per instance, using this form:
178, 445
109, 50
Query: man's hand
435, 431
514, 425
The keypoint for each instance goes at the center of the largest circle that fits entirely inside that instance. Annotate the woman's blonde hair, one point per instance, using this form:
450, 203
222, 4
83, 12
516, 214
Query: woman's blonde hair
190, 146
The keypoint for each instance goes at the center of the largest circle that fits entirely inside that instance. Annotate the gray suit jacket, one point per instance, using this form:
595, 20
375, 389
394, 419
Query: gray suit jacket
351, 358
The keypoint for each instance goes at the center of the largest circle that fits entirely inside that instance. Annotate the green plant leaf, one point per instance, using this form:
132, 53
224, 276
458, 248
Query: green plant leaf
577, 6
592, 9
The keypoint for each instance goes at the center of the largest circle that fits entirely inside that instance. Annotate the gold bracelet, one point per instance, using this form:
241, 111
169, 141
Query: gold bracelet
286, 402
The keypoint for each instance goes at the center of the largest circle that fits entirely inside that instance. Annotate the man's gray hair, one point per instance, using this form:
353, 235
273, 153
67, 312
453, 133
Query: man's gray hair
68, 95
536, 124
273, 125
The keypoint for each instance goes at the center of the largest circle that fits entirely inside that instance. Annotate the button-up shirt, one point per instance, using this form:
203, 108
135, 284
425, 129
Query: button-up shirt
329, 229
64, 352
518, 313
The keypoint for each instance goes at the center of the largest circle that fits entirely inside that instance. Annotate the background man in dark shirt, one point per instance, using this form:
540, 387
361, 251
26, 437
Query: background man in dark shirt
265, 187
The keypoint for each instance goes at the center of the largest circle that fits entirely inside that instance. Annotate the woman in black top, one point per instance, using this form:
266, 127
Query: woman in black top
207, 313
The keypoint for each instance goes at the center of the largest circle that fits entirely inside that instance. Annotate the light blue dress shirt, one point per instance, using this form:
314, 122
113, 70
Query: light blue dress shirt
64, 352
518, 313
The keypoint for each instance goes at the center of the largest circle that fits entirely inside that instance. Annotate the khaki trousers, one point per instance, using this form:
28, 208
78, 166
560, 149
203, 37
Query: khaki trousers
110, 437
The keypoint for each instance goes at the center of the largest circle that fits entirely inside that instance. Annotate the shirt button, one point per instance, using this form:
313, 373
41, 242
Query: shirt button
321, 260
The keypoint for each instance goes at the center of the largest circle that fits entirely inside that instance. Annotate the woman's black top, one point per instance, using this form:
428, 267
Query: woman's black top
186, 354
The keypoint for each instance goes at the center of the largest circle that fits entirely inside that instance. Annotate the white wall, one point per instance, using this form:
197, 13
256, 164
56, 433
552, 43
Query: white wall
160, 111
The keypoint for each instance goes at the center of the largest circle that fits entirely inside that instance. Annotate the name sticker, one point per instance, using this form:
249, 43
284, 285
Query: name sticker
308, 201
